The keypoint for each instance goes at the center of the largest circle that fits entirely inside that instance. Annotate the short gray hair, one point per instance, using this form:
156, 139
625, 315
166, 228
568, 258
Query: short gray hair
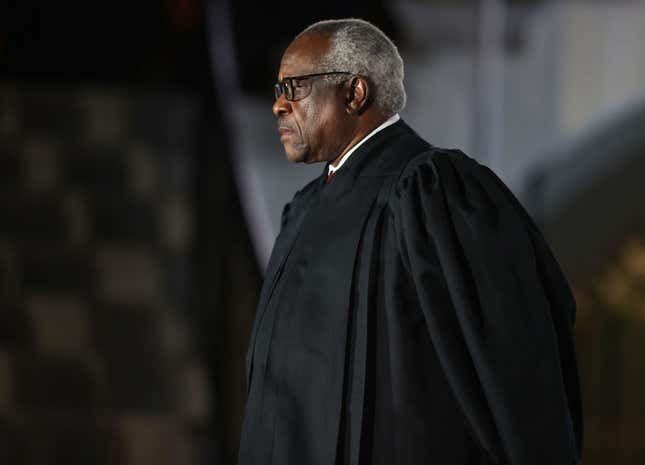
361, 48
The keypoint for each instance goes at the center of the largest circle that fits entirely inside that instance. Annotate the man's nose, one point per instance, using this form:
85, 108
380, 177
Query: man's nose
281, 106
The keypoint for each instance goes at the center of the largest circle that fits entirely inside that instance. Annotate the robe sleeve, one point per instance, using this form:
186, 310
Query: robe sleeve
497, 307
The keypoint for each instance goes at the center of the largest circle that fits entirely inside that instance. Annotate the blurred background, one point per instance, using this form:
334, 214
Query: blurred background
142, 180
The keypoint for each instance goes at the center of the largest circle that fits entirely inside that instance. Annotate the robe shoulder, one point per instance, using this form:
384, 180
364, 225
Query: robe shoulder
436, 163
472, 193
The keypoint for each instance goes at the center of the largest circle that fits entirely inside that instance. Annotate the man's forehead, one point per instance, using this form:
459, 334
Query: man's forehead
302, 55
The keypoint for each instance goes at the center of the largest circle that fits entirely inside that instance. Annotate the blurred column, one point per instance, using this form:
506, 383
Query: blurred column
227, 89
229, 278
489, 106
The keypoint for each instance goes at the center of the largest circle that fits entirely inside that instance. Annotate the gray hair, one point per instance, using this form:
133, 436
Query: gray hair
361, 48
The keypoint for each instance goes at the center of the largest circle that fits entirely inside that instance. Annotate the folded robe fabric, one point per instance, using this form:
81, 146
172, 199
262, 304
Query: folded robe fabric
505, 340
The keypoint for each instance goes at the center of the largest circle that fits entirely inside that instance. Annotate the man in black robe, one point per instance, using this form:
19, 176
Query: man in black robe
411, 313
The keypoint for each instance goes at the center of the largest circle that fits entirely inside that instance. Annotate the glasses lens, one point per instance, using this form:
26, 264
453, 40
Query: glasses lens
283, 87
288, 89
301, 89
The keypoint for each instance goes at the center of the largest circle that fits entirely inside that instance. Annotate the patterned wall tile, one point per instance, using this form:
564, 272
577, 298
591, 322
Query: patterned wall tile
42, 170
128, 343
60, 322
176, 224
143, 170
149, 439
105, 118
75, 208
128, 273
194, 398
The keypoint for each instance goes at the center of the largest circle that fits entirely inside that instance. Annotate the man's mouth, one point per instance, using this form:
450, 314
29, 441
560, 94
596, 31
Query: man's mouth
285, 133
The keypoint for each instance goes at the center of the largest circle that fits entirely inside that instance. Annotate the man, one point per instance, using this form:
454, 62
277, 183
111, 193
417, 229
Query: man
411, 313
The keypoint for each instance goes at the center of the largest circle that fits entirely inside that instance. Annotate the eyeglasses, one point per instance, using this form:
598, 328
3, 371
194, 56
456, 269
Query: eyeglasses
298, 87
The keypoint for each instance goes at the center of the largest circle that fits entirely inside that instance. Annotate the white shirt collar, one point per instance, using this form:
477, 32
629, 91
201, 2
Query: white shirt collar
390, 121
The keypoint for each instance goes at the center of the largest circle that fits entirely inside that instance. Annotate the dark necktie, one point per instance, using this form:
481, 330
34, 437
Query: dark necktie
329, 176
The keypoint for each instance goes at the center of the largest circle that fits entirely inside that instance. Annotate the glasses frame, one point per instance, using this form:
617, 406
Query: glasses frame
281, 87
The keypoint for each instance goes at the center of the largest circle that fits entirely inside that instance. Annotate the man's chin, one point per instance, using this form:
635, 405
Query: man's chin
294, 156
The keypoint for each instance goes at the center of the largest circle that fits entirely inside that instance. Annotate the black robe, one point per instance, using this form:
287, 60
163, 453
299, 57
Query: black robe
411, 314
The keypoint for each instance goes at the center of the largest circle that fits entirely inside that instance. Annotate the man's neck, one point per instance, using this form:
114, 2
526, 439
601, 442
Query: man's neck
360, 138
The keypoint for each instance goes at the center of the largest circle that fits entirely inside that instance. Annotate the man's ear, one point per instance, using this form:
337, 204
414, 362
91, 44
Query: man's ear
357, 95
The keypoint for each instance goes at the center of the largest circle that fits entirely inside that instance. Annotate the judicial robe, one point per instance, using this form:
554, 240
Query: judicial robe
411, 313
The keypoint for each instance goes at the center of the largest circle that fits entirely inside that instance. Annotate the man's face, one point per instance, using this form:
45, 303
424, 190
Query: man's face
316, 128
